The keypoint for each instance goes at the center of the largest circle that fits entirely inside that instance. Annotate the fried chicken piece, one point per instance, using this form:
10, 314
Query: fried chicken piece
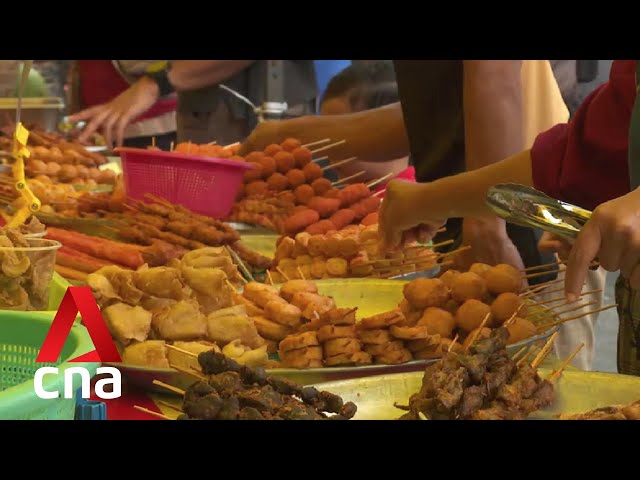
245, 355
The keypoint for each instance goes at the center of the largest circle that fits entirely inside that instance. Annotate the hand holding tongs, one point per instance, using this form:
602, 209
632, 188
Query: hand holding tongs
529, 207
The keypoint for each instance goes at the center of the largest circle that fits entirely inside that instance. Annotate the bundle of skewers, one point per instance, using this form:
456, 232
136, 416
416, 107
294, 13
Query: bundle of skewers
226, 390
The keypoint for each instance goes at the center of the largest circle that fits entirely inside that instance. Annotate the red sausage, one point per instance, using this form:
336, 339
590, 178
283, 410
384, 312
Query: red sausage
342, 218
254, 173
254, 157
268, 165
290, 144
284, 161
333, 193
300, 220
324, 206
272, 149
320, 228
256, 188
278, 182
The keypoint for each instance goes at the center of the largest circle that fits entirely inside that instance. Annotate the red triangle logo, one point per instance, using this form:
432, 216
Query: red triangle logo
79, 299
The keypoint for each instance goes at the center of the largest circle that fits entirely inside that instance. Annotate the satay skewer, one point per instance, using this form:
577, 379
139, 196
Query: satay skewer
380, 180
515, 356
346, 179
316, 143
300, 273
169, 405
378, 193
560, 322
556, 374
478, 331
171, 388
151, 412
243, 268
545, 351
327, 147
188, 371
270, 277
340, 163
185, 352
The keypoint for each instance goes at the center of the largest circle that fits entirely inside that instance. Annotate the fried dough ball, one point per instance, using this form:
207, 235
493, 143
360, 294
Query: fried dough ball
290, 288
506, 305
272, 149
284, 161
448, 277
302, 156
279, 311
426, 292
471, 314
318, 267
296, 177
268, 165
475, 336
290, 144
67, 173
468, 286
438, 322
53, 169
278, 182
520, 329
504, 278
480, 269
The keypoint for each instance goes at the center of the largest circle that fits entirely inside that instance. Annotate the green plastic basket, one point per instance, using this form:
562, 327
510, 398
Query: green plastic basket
21, 336
57, 288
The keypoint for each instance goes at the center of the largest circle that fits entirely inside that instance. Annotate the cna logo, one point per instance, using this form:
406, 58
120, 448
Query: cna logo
79, 300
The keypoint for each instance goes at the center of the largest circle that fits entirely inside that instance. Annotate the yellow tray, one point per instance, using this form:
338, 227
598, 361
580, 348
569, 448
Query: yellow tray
576, 392
264, 244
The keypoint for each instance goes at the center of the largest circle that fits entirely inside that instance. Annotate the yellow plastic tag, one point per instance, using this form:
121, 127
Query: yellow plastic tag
22, 134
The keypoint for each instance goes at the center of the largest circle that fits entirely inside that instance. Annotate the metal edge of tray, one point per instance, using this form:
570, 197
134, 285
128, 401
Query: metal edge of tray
431, 273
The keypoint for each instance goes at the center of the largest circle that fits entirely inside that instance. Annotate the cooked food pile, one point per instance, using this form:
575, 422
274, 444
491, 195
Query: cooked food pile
189, 301
619, 412
351, 252
25, 271
484, 385
235, 392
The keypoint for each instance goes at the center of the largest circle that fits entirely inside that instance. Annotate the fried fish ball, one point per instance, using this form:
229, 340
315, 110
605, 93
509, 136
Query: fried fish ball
272, 150
315, 245
268, 165
67, 173
337, 267
278, 182
290, 144
254, 157
285, 248
426, 292
284, 162
53, 169
448, 278
318, 267
302, 156
290, 288
36, 167
471, 314
438, 322
480, 269
296, 177
254, 173
321, 186
348, 246
303, 193
520, 329
468, 285
258, 187
504, 278
312, 172
279, 311
506, 305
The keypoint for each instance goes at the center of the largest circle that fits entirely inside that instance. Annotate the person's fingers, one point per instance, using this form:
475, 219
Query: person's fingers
109, 127
94, 124
584, 250
85, 114
550, 246
121, 126
610, 254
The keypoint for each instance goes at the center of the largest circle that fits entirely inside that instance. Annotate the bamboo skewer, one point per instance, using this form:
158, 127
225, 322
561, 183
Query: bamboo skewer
171, 388
270, 277
319, 159
230, 285
153, 141
301, 274
453, 342
178, 349
243, 268
453, 252
188, 371
519, 352
378, 193
512, 318
284, 275
478, 331
578, 307
346, 179
538, 288
230, 145
327, 147
556, 374
564, 299
150, 412
559, 322
317, 142
167, 404
544, 352
380, 180
526, 357
538, 267
541, 274
338, 164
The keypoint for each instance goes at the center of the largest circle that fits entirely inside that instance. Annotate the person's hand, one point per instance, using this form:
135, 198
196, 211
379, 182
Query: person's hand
489, 244
403, 218
613, 235
550, 244
112, 118
264, 134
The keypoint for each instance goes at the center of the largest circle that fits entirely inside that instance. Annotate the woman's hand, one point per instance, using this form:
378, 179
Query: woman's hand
112, 118
264, 134
404, 217
552, 244
613, 236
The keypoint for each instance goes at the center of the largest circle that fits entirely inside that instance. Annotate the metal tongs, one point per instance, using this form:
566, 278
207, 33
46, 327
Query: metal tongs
528, 207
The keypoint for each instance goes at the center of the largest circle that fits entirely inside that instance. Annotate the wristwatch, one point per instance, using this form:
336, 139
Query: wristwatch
160, 76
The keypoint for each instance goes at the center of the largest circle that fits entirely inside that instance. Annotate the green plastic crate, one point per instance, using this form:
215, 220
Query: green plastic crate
21, 336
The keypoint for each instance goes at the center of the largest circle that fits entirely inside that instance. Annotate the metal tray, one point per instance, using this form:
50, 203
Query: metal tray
576, 392
371, 296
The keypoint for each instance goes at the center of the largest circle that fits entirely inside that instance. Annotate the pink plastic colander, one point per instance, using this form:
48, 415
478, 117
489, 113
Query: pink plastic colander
204, 185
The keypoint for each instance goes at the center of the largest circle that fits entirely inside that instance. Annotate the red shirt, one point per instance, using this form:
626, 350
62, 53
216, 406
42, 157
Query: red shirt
100, 82
584, 162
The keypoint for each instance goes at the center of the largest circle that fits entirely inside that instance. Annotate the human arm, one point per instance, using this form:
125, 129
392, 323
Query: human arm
375, 135
195, 74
